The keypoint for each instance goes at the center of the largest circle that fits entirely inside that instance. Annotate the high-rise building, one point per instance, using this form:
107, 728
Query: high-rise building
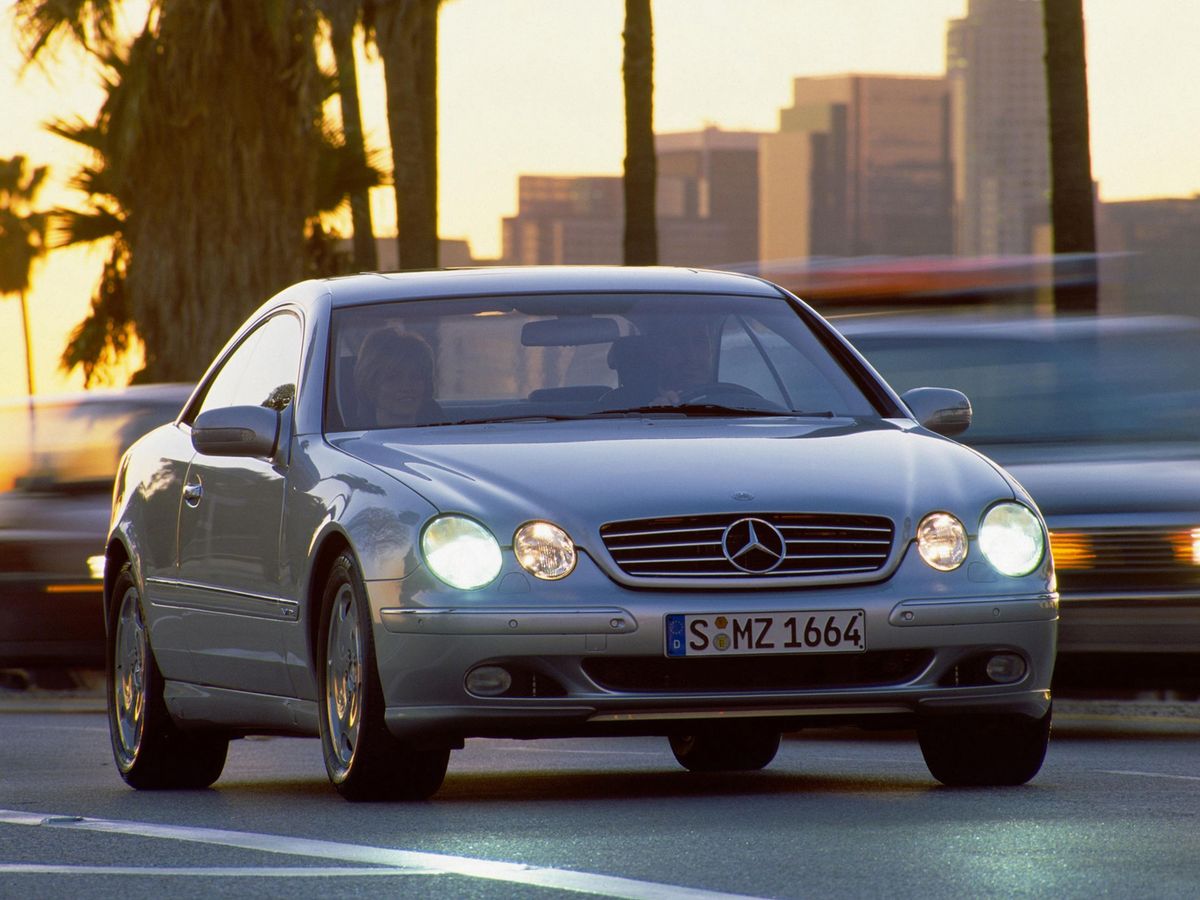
1148, 259
707, 202
997, 77
565, 219
860, 167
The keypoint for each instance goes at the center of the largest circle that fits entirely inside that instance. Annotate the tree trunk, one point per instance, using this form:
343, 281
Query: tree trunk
343, 17
406, 34
1072, 207
28, 341
641, 228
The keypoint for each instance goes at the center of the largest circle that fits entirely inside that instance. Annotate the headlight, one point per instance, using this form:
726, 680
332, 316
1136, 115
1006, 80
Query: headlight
544, 550
1011, 538
95, 566
942, 541
461, 552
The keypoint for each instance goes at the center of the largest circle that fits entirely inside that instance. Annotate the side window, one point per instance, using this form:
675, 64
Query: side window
262, 370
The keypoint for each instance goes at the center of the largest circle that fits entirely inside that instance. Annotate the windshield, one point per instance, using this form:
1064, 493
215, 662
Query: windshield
1030, 385
445, 362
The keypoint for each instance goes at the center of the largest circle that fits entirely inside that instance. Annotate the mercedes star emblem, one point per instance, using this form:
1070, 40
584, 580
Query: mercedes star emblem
754, 545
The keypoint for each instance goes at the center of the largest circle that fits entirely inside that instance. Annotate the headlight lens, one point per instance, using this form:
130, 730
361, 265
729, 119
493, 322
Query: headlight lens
1011, 538
461, 552
942, 541
544, 550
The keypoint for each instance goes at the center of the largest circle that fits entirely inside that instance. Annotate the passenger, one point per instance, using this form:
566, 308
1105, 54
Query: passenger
393, 380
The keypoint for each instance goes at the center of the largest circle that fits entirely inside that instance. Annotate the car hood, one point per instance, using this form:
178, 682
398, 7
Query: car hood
1110, 485
583, 474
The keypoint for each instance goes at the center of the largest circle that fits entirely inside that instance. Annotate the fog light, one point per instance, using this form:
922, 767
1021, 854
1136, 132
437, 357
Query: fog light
488, 681
95, 566
1005, 668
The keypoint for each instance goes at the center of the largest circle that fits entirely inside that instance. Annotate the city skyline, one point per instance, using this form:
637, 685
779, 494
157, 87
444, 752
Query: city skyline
712, 68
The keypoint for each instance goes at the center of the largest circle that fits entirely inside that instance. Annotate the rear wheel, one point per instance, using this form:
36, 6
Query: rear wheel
364, 761
726, 749
151, 753
984, 750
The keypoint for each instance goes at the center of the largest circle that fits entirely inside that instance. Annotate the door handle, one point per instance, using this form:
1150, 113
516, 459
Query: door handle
192, 494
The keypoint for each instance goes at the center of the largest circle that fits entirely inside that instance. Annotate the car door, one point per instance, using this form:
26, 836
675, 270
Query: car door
229, 525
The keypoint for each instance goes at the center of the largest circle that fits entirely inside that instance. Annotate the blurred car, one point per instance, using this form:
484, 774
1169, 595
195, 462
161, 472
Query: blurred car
405, 510
1099, 419
58, 457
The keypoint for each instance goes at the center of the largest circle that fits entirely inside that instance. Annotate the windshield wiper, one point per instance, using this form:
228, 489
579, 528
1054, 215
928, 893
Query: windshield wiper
525, 417
683, 410
709, 409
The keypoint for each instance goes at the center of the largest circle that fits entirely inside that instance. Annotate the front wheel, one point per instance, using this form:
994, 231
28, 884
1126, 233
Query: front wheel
984, 750
150, 752
362, 759
725, 750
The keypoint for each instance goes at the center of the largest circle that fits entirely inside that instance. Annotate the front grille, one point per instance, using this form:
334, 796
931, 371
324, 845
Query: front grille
1132, 559
874, 668
691, 546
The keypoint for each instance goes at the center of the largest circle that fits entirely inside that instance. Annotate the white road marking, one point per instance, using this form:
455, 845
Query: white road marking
1151, 775
210, 872
409, 860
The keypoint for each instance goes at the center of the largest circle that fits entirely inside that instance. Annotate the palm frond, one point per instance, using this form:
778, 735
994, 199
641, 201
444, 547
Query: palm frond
44, 23
70, 226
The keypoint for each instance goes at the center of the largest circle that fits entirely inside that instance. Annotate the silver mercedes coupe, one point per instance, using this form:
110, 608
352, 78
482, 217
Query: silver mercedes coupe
400, 511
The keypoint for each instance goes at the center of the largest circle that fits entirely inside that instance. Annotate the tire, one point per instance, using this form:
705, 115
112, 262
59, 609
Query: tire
362, 758
984, 750
151, 753
726, 749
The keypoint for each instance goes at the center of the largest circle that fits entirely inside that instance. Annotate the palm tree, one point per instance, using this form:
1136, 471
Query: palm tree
210, 141
114, 322
343, 16
1071, 200
405, 31
22, 239
218, 171
641, 232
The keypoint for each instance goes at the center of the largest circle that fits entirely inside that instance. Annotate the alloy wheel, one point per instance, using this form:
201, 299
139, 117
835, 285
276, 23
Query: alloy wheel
129, 676
344, 677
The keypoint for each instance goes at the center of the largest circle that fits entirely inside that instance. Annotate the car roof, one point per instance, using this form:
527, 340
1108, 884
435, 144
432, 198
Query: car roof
1024, 328
134, 394
352, 290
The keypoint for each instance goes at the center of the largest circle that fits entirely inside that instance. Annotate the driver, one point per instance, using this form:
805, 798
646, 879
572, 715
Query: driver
686, 362
663, 366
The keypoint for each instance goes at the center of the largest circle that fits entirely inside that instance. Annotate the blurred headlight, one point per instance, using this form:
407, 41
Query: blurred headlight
461, 552
544, 550
1186, 547
1072, 550
1011, 538
95, 566
942, 541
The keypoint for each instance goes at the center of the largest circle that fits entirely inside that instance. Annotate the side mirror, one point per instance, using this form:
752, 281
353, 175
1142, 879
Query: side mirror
236, 431
943, 410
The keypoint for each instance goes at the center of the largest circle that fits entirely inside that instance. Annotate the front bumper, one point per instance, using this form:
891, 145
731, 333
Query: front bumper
1130, 622
602, 669
47, 620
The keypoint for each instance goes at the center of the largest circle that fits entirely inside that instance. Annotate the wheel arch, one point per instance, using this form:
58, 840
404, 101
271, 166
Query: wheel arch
330, 546
116, 557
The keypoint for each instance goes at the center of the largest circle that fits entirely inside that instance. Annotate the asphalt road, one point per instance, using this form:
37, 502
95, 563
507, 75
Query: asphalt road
1115, 812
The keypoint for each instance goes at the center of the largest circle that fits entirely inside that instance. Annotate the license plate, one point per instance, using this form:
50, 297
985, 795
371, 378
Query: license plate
740, 634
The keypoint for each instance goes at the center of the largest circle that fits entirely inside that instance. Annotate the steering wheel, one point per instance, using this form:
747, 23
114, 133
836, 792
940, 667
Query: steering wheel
727, 393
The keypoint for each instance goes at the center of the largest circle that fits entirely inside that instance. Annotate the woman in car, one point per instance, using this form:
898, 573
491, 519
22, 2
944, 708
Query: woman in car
393, 380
